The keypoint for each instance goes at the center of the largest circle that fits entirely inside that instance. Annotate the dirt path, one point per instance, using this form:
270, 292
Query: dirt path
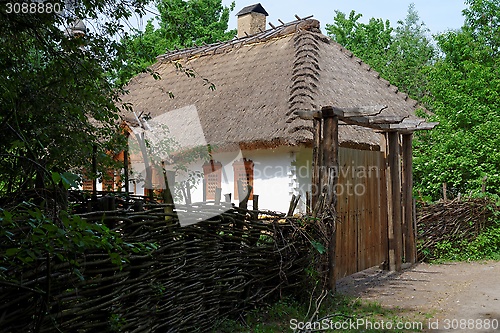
454, 294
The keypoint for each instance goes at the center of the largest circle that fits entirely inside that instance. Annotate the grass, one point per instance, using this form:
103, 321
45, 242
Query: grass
485, 246
288, 314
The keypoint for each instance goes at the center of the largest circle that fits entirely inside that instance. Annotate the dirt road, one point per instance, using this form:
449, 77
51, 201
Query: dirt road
460, 297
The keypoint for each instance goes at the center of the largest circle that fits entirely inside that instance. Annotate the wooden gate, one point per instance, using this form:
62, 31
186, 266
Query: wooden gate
362, 217
373, 220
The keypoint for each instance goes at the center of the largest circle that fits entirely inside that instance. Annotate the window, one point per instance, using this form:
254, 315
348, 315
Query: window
88, 184
212, 172
243, 171
108, 182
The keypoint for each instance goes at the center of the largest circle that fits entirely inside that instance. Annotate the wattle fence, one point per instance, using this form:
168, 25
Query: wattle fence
195, 275
453, 221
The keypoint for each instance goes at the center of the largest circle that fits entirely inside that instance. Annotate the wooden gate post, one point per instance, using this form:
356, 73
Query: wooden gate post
410, 237
329, 172
395, 232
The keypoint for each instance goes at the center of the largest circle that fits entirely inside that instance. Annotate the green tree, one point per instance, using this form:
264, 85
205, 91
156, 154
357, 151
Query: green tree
56, 104
464, 87
400, 54
56, 101
181, 24
410, 53
369, 42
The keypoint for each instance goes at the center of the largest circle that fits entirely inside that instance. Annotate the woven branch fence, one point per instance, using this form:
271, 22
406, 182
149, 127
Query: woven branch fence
451, 221
197, 274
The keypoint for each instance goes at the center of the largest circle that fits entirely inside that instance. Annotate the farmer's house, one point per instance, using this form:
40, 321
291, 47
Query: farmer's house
249, 98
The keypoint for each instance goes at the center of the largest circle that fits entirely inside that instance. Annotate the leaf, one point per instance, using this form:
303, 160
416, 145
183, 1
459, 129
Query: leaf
79, 274
7, 216
319, 247
69, 180
12, 252
56, 177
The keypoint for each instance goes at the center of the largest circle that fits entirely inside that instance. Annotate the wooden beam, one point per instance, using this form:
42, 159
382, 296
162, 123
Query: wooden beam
410, 237
369, 116
372, 110
369, 121
395, 220
413, 125
308, 115
386, 119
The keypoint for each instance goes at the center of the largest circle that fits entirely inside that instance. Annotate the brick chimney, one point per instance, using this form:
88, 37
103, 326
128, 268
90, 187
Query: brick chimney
251, 20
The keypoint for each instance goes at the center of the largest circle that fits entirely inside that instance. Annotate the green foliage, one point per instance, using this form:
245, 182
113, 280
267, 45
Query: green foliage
399, 54
116, 323
458, 82
369, 41
186, 23
29, 233
181, 24
482, 241
319, 247
67, 179
56, 101
483, 19
464, 87
485, 246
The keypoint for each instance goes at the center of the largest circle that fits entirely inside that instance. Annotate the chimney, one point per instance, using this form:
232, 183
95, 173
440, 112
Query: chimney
251, 20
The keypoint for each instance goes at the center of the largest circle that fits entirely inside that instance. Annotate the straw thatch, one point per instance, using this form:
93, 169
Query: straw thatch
260, 81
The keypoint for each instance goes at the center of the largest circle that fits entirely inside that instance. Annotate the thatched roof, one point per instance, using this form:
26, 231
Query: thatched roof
260, 80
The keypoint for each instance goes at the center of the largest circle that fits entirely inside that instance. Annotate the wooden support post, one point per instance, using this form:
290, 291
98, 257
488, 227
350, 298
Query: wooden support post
255, 207
125, 171
308, 203
255, 202
243, 195
148, 182
394, 190
293, 204
410, 237
168, 199
328, 181
316, 161
94, 171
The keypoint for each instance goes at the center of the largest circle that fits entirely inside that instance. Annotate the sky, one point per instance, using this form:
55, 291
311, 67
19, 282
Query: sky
438, 15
